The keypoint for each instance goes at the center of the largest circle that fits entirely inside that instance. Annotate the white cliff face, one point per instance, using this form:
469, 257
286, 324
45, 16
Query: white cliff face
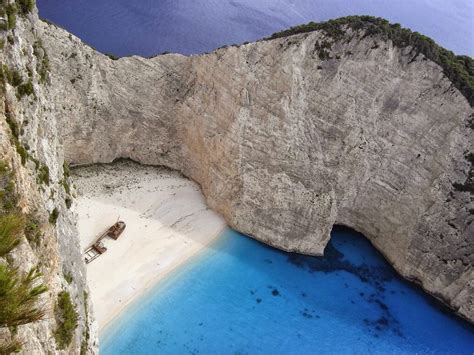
283, 144
286, 145
55, 249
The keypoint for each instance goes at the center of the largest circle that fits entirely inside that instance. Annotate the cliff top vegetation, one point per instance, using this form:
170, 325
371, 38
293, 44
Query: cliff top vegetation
458, 68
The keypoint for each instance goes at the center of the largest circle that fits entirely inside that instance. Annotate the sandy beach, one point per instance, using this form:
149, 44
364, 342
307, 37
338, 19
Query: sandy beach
167, 220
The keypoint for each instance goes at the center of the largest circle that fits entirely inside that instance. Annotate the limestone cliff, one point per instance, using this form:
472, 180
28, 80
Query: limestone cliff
31, 158
286, 144
286, 137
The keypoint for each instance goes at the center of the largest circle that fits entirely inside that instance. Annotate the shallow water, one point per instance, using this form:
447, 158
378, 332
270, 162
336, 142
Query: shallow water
148, 27
242, 297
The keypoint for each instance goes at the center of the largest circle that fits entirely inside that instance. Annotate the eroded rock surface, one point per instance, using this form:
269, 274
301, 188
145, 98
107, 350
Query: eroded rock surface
283, 143
31, 149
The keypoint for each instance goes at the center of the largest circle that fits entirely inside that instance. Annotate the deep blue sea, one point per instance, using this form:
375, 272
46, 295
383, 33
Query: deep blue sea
242, 297
148, 27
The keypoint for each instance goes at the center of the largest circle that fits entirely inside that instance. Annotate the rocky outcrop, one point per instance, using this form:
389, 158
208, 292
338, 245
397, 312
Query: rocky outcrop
288, 139
286, 144
31, 150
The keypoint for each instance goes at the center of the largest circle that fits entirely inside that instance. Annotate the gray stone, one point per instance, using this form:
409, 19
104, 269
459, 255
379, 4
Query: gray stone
283, 144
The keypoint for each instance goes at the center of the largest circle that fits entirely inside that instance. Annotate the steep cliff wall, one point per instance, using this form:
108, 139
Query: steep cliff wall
287, 142
286, 138
31, 151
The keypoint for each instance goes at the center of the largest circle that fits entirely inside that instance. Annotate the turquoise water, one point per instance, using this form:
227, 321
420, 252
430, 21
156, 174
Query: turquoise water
242, 297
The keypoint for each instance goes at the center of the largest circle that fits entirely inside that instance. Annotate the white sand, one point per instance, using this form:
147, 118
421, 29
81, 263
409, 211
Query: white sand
167, 220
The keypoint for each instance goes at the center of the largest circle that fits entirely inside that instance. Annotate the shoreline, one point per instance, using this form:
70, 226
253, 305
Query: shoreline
162, 283
143, 292
167, 224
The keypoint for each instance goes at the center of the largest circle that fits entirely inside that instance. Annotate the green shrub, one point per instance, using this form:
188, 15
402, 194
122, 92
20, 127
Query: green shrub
4, 72
84, 345
66, 186
10, 347
42, 66
112, 56
43, 175
8, 196
22, 152
11, 16
20, 149
53, 216
32, 231
16, 79
459, 69
26, 6
19, 296
323, 49
12, 76
18, 292
25, 89
11, 229
66, 317
13, 126
43, 69
4, 168
66, 170
68, 277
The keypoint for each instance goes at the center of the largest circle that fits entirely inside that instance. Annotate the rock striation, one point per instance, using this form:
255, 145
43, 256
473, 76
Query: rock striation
285, 144
31, 150
286, 139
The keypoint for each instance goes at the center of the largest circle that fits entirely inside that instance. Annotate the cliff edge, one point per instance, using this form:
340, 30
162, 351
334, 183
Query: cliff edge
287, 137
290, 136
